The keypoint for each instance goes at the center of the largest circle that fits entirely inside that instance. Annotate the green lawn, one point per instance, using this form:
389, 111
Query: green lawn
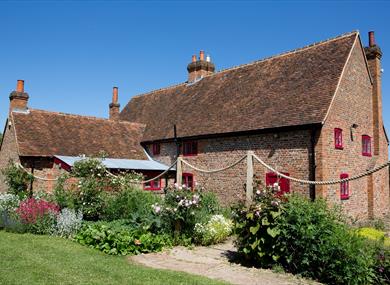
31, 259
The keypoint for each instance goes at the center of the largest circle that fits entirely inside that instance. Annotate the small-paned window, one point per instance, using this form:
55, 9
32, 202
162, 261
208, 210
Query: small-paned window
152, 185
338, 138
366, 145
188, 180
344, 187
190, 148
156, 149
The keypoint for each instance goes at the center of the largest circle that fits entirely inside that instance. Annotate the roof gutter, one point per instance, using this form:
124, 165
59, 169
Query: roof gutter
240, 133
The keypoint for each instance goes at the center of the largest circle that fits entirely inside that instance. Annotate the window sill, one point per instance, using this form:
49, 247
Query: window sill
152, 189
185, 155
339, 147
367, 154
344, 198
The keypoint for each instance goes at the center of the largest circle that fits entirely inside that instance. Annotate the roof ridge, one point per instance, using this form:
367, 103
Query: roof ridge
315, 44
160, 89
83, 116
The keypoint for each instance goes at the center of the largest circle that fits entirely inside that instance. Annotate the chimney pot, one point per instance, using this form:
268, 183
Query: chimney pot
20, 86
371, 38
194, 58
201, 55
115, 95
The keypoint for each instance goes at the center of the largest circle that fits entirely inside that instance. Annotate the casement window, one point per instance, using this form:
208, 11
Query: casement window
344, 187
156, 149
338, 138
152, 185
366, 145
284, 184
190, 148
188, 180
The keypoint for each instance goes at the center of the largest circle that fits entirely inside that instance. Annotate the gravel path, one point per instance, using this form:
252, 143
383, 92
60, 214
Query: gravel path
213, 262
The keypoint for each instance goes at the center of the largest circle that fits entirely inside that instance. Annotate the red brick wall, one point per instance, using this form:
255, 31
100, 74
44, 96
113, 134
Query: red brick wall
352, 105
8, 152
288, 151
42, 167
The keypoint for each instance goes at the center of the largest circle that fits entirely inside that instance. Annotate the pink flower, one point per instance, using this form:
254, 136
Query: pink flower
31, 210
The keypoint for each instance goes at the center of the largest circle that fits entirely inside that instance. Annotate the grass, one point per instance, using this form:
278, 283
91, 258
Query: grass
31, 259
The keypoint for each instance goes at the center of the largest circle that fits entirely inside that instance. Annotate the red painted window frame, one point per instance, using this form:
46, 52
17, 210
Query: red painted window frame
366, 145
338, 138
153, 187
156, 148
185, 177
271, 178
344, 187
193, 150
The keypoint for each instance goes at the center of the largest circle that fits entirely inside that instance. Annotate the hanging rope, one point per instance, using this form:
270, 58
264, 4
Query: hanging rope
328, 182
35, 176
215, 170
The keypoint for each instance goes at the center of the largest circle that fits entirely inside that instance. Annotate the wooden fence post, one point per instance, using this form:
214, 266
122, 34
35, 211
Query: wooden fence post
249, 177
179, 171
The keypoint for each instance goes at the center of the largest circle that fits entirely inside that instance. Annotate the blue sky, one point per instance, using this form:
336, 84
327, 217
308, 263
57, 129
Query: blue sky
71, 53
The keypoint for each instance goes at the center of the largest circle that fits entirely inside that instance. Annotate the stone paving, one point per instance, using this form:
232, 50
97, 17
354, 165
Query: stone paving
213, 262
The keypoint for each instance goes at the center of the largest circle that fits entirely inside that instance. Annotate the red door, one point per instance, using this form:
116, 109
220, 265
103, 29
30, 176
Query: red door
284, 184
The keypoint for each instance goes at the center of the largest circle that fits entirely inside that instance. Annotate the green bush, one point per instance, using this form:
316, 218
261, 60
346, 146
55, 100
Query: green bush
304, 237
64, 198
216, 230
381, 263
17, 180
183, 208
129, 203
119, 239
374, 234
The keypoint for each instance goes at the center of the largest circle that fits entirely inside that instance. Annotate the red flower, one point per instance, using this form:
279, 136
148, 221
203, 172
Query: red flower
31, 209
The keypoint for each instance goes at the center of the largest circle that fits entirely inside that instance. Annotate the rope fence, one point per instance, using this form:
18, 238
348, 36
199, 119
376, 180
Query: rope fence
214, 170
250, 157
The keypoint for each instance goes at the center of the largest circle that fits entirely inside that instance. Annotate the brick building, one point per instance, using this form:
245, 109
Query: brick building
314, 113
46, 142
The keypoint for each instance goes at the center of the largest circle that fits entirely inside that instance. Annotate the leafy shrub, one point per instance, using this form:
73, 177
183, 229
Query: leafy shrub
305, 238
129, 203
89, 198
115, 238
39, 216
61, 195
216, 230
17, 180
381, 263
69, 222
381, 253
8, 202
184, 207
8, 218
89, 167
374, 234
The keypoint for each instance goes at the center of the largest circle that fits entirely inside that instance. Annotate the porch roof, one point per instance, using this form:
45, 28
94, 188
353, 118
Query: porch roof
117, 163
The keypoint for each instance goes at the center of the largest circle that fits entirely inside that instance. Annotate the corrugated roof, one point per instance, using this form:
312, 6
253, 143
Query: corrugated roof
116, 163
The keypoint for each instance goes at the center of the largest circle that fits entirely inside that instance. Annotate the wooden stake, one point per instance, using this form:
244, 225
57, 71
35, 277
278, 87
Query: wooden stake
249, 178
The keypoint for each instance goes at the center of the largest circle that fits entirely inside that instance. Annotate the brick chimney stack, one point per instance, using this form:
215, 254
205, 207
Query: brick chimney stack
200, 68
374, 55
18, 98
114, 105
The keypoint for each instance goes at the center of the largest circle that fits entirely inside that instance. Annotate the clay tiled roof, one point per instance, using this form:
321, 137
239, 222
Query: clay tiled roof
42, 133
295, 88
